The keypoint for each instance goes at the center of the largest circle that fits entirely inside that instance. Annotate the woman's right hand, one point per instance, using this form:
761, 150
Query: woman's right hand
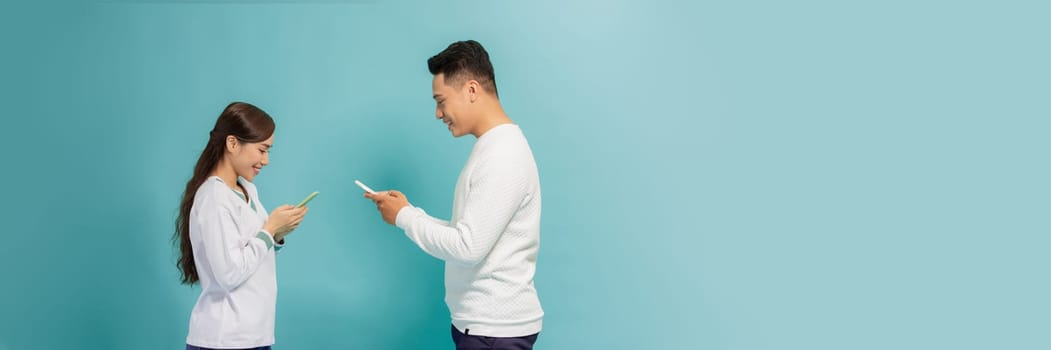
283, 220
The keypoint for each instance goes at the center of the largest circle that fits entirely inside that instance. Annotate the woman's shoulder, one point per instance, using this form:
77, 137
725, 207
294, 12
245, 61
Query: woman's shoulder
212, 191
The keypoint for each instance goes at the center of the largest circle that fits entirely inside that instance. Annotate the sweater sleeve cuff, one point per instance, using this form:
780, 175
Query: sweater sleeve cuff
405, 217
265, 236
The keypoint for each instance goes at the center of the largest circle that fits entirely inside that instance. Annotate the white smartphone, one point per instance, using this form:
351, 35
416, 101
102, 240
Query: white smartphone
366, 188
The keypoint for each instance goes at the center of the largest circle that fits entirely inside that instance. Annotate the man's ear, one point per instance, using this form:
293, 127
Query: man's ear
231, 143
473, 90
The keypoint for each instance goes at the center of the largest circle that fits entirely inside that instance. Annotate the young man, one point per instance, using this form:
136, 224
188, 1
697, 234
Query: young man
490, 245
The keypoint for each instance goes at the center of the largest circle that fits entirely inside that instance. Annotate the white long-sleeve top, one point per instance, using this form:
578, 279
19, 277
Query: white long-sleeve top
490, 244
235, 262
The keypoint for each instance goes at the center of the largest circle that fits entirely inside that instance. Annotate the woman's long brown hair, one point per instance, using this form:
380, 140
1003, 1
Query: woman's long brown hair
248, 124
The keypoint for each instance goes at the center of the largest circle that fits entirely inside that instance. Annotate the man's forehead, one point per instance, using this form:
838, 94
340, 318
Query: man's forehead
438, 84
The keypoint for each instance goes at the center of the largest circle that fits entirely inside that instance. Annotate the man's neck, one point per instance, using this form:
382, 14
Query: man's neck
491, 119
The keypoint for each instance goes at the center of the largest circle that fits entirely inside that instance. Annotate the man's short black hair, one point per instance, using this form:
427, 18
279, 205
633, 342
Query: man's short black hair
464, 60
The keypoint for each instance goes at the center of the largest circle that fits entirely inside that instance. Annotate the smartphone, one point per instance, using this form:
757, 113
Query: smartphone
305, 200
366, 188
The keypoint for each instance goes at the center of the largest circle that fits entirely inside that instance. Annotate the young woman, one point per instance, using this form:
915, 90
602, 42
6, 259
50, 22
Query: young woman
227, 240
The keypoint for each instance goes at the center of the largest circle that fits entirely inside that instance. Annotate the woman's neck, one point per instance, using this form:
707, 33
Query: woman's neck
226, 172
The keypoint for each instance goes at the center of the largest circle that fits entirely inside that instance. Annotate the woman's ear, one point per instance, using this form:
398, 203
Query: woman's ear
231, 143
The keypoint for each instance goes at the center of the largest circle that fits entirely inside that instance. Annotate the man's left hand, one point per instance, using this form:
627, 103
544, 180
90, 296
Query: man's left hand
389, 203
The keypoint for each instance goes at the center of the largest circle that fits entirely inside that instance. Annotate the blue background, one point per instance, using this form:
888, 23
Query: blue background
716, 175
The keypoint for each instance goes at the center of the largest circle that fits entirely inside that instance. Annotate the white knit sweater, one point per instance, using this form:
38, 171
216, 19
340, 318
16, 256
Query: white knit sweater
237, 268
490, 245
